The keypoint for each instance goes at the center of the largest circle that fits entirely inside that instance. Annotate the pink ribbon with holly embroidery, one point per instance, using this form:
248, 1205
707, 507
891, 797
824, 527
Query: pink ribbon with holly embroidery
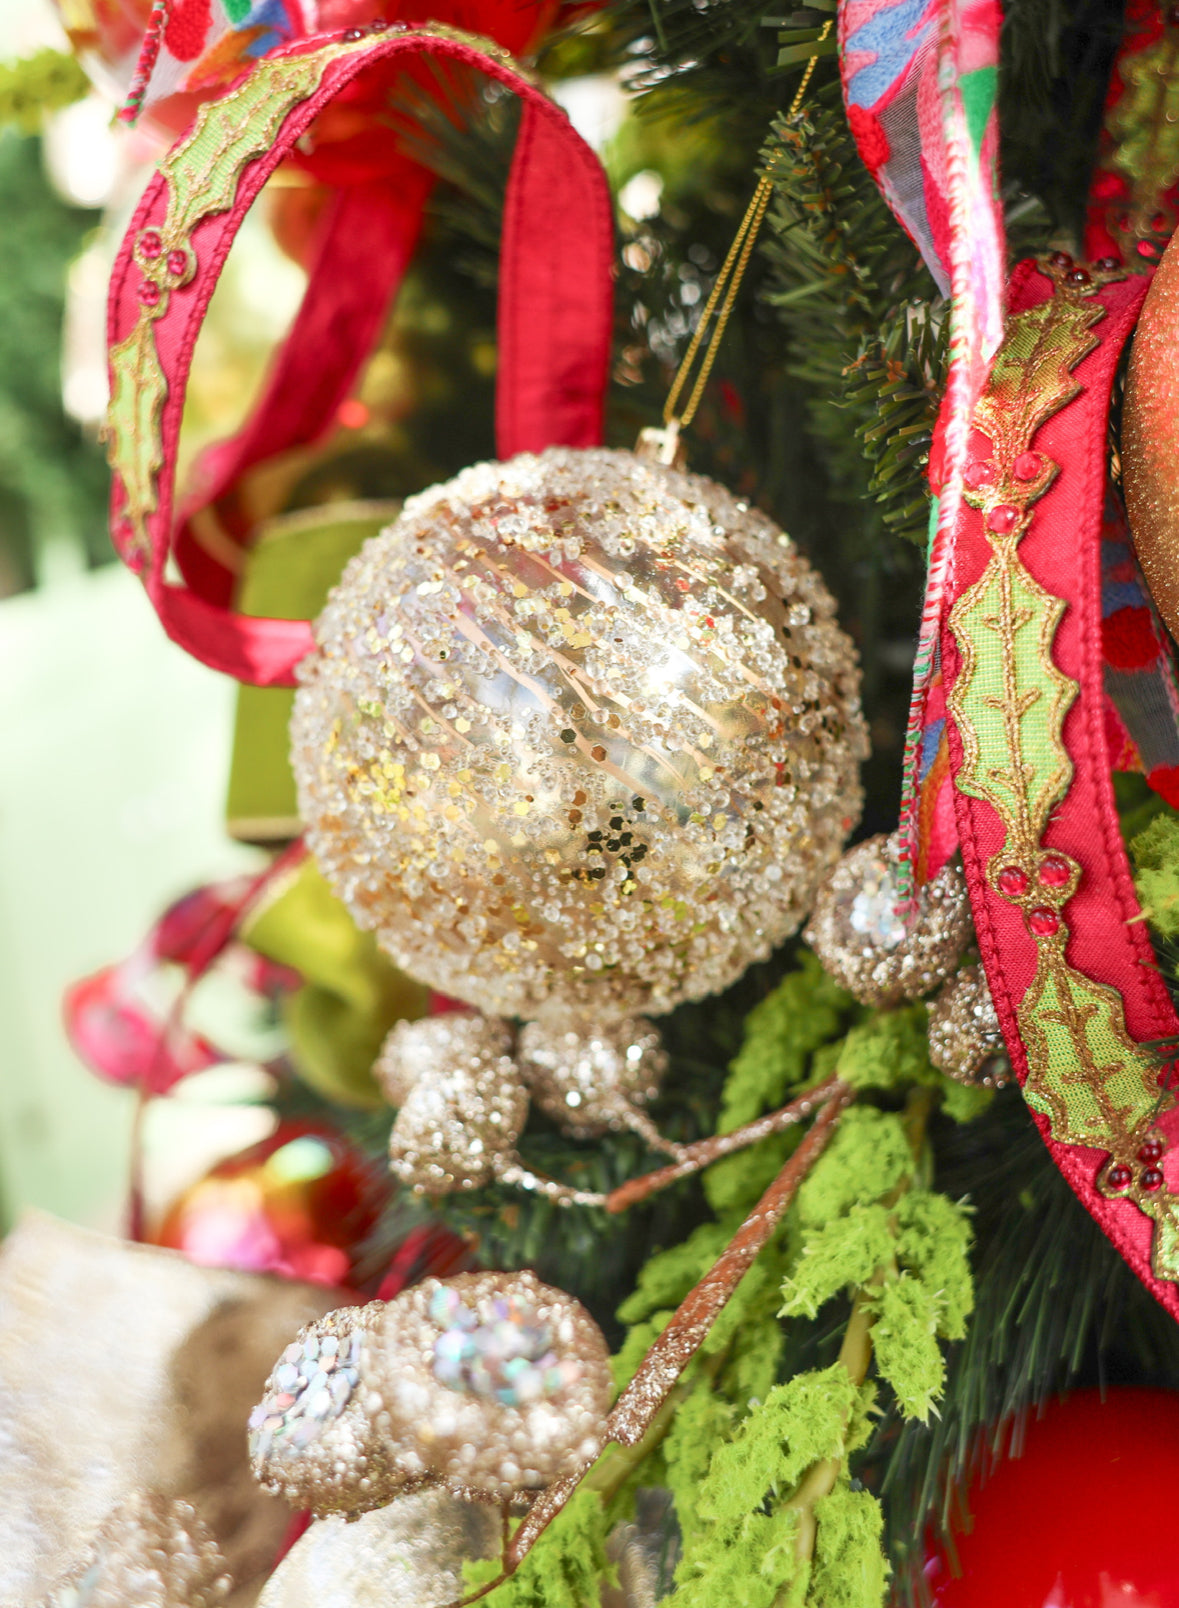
554, 312
1067, 954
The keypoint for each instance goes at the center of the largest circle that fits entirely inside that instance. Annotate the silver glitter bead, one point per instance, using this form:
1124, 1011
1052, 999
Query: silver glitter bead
589, 1079
152, 1552
490, 1383
965, 1039
867, 946
580, 729
462, 1102
310, 1438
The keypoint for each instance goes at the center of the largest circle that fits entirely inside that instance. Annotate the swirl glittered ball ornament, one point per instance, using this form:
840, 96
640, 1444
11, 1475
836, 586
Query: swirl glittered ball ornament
1150, 439
580, 732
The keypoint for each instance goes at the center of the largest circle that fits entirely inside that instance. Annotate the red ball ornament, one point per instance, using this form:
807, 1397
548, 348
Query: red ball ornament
299, 1204
1084, 1518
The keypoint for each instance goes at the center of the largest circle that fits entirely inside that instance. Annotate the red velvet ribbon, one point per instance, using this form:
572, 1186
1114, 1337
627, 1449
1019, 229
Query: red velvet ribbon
555, 320
1108, 940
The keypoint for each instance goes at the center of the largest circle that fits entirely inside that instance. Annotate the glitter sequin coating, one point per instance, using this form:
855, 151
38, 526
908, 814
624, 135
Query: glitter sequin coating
443, 1379
965, 1039
310, 1437
462, 1102
581, 730
151, 1551
588, 1079
867, 947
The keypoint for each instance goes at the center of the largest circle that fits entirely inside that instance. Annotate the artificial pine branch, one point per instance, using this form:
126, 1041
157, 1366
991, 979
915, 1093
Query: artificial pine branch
866, 328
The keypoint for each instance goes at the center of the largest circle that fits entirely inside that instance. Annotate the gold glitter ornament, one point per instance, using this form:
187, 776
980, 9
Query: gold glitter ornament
462, 1102
490, 1383
416, 1050
866, 944
590, 1080
581, 731
1150, 438
151, 1551
965, 1039
311, 1439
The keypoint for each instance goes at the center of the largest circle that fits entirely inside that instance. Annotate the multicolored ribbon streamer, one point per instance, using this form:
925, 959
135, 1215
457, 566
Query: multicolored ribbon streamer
919, 80
164, 57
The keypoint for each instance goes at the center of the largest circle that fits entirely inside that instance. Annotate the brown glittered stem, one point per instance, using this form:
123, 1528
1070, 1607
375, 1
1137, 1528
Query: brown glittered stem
639, 1122
701, 1307
692, 1158
646, 1395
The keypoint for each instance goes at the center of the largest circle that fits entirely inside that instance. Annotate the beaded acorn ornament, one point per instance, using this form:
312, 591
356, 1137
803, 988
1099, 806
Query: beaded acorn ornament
463, 1090
965, 1038
462, 1104
311, 1439
488, 1384
590, 1080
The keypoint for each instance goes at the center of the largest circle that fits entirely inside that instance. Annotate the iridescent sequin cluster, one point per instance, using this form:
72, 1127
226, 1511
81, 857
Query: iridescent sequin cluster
312, 1384
506, 1357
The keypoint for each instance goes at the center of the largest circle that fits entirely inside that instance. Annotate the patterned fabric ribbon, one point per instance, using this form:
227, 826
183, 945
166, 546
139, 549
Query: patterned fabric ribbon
164, 57
555, 314
1041, 576
919, 79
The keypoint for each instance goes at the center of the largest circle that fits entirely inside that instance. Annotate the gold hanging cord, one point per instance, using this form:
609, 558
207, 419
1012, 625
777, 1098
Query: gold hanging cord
728, 282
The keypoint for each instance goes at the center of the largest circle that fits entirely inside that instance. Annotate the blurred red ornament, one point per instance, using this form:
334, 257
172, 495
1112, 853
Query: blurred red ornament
127, 1021
1082, 1519
300, 1204
430, 1251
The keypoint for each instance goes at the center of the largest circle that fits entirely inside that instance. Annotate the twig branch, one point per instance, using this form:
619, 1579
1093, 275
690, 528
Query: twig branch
644, 1397
705, 1151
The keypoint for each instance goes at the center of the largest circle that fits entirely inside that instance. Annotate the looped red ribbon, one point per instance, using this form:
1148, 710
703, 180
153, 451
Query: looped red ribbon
555, 315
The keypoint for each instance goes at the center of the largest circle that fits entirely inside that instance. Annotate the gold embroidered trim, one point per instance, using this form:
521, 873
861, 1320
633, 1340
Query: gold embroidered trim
202, 174
1086, 1075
